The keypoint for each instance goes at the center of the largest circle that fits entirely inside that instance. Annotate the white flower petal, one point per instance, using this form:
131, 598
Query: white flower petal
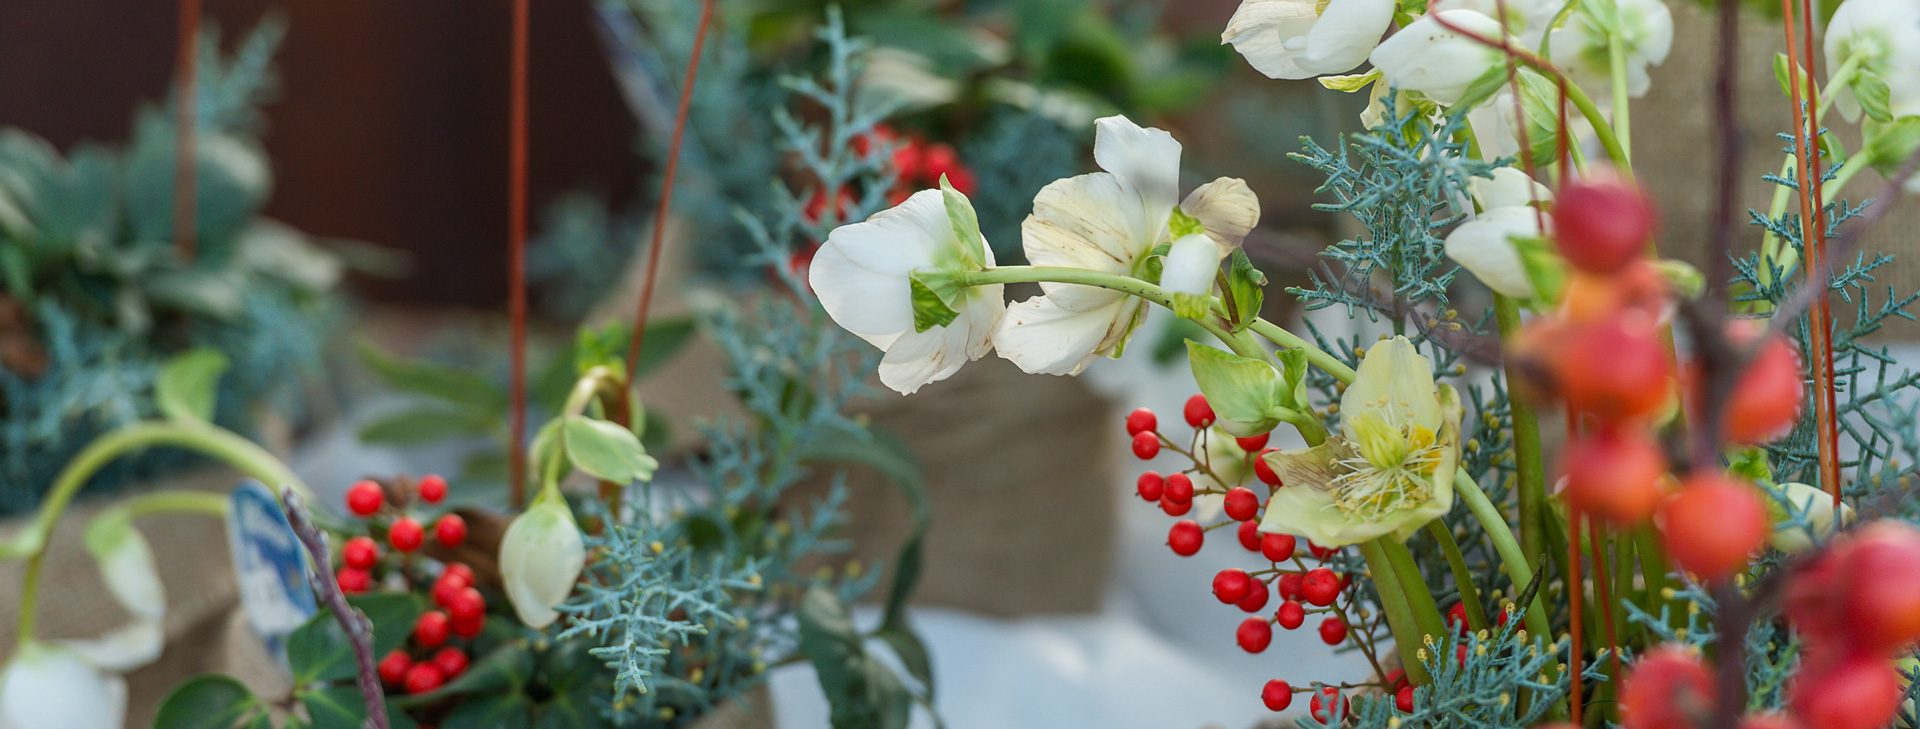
1081, 222
541, 557
1396, 381
1483, 246
124, 648
1270, 35
860, 274
44, 687
1646, 33
1042, 338
1192, 264
1147, 162
1427, 57
1347, 31
1509, 187
1226, 207
1886, 34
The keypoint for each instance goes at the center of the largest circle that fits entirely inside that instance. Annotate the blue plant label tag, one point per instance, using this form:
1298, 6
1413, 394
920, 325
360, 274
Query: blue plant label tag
269, 565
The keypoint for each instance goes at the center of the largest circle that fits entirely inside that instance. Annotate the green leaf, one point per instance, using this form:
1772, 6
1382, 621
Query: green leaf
506, 670
1888, 146
929, 310
1876, 97
458, 387
607, 451
343, 707
1247, 395
892, 458
491, 711
863, 692
1546, 270
319, 651
1540, 104
1245, 286
1351, 82
188, 383
210, 701
425, 425
1483, 87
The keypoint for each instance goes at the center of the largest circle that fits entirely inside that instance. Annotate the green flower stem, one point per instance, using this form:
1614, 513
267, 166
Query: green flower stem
1426, 613
1622, 111
1601, 129
1511, 560
1527, 451
1318, 357
177, 501
1400, 620
1463, 577
1240, 344
221, 444
1770, 247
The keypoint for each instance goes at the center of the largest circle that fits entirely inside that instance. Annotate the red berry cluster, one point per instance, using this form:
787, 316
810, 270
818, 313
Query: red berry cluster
368, 499
1281, 571
432, 660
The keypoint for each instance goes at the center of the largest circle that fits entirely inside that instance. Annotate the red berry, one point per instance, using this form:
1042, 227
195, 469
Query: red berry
1254, 635
1186, 537
1602, 222
405, 534
1321, 553
423, 677
451, 530
1713, 524
1881, 592
431, 629
1231, 585
1457, 618
1198, 413
1141, 420
360, 553
1615, 370
1614, 475
1396, 678
1663, 688
1277, 695
1146, 446
1290, 615
1250, 536
1175, 508
1253, 443
1765, 401
1150, 486
393, 668
939, 159
1333, 630
447, 589
433, 488
461, 569
364, 498
1403, 699
1241, 504
1179, 488
1769, 721
1292, 586
467, 604
1320, 586
1328, 705
1277, 547
1264, 470
452, 661
353, 581
1862, 692
1256, 599
468, 628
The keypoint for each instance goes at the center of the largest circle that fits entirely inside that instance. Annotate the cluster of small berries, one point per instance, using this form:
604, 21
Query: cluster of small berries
1303, 590
461, 608
368, 499
462, 614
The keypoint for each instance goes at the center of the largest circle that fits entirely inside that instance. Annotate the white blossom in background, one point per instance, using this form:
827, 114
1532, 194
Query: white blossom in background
862, 276
1109, 222
1484, 244
1429, 58
1646, 36
45, 686
1885, 36
1296, 39
1527, 20
541, 557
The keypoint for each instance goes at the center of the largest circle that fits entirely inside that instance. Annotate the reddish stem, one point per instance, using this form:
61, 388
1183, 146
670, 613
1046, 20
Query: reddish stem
185, 62
1603, 595
1576, 594
666, 187
517, 243
1813, 239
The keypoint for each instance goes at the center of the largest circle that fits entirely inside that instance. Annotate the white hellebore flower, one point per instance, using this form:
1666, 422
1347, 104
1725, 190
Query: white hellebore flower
1391, 468
1646, 36
1527, 20
541, 557
45, 686
1429, 58
1297, 39
866, 278
1885, 37
1484, 245
1110, 222
1813, 505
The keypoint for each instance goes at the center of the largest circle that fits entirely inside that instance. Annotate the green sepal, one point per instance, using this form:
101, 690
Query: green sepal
1546, 270
1876, 98
965, 222
1540, 104
1245, 288
1750, 463
1248, 396
1682, 278
188, 383
1293, 375
929, 310
1351, 82
1182, 225
1887, 146
1191, 306
1483, 87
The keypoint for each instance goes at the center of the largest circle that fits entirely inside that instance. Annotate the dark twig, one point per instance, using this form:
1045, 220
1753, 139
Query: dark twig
354, 623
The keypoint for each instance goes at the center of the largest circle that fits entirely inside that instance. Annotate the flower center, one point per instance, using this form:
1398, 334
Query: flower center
1372, 488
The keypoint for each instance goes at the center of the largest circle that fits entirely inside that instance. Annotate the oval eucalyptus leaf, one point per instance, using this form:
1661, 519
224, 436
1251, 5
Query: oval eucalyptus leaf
188, 384
207, 702
606, 450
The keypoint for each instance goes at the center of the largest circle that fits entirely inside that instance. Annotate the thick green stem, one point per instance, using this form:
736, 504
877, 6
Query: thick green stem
1601, 129
1622, 106
1240, 344
1512, 561
1529, 461
1426, 613
1462, 576
221, 444
1318, 357
1400, 620
175, 501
